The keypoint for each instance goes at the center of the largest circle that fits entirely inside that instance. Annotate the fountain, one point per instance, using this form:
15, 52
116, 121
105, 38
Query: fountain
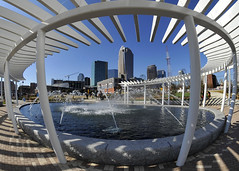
62, 113
67, 100
143, 134
116, 129
167, 110
33, 102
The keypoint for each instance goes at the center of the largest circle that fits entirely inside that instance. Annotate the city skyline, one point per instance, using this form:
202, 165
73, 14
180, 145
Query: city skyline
146, 53
112, 73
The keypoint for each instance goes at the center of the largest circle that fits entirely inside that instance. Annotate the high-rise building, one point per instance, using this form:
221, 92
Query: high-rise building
99, 72
151, 72
81, 77
212, 81
52, 81
113, 73
87, 81
125, 63
161, 74
33, 87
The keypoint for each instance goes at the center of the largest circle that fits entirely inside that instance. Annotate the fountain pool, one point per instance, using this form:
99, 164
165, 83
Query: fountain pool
135, 122
147, 134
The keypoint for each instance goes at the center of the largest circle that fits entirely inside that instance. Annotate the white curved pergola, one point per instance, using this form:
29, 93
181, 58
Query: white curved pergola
24, 41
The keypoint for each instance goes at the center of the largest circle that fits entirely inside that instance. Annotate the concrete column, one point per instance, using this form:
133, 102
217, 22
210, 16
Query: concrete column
183, 89
205, 91
127, 94
194, 90
144, 94
234, 93
163, 93
16, 93
229, 86
8, 98
43, 96
224, 89
1, 89
169, 93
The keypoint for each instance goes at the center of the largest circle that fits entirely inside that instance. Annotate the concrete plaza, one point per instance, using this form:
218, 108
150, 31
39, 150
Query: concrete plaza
19, 152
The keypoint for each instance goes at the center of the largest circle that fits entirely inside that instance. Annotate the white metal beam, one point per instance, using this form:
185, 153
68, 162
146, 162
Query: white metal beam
195, 88
95, 21
214, 14
43, 96
8, 97
42, 15
136, 24
201, 7
58, 8
174, 22
116, 22
224, 89
155, 24
29, 24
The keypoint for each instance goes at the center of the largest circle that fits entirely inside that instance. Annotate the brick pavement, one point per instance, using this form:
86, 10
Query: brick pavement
19, 152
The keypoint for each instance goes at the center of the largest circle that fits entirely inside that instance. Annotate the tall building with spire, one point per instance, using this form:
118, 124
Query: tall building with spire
125, 63
168, 62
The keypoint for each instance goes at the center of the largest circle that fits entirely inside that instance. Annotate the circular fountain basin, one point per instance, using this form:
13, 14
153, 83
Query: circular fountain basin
143, 148
118, 122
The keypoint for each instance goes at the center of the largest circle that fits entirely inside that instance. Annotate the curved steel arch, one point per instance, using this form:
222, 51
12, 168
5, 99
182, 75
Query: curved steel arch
120, 8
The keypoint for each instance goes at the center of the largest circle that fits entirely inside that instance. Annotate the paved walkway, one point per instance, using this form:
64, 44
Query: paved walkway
216, 94
19, 152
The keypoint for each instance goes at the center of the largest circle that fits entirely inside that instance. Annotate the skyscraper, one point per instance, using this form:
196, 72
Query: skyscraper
81, 77
99, 72
87, 81
151, 72
113, 73
212, 81
161, 74
125, 63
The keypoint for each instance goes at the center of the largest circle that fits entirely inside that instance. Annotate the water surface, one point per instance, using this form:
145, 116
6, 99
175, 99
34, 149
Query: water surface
134, 121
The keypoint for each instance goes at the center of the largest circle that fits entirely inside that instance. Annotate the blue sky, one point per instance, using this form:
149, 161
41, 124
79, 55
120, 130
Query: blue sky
145, 52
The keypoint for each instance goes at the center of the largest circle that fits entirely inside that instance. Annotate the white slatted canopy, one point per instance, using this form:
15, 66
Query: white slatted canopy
15, 28
46, 29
